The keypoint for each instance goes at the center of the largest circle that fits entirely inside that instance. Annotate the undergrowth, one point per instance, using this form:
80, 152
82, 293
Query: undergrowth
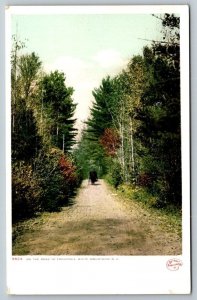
172, 217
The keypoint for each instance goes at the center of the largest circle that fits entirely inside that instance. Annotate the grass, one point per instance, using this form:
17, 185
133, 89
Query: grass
54, 234
171, 217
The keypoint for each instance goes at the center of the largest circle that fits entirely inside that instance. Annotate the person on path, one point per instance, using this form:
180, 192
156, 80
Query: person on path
93, 176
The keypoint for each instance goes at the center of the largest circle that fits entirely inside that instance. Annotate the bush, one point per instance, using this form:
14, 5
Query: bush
51, 179
138, 194
58, 179
26, 192
144, 180
115, 176
46, 188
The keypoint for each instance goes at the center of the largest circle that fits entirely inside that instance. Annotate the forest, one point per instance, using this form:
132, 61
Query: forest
132, 137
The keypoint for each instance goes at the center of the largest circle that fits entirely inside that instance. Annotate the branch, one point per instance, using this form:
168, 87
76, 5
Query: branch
161, 42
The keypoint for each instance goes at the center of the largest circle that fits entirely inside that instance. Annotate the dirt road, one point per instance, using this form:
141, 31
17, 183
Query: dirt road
99, 223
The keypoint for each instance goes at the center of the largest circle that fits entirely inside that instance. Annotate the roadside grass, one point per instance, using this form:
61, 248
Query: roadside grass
137, 201
28, 226
170, 217
34, 224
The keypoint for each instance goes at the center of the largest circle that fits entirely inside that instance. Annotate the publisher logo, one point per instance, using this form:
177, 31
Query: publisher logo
174, 264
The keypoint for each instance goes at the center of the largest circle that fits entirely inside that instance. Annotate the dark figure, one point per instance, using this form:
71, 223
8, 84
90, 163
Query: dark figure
93, 176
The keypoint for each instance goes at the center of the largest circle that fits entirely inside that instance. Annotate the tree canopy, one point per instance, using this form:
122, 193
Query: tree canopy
135, 120
132, 136
43, 173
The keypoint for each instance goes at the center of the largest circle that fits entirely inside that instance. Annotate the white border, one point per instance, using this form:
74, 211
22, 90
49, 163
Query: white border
96, 9
103, 274
8, 141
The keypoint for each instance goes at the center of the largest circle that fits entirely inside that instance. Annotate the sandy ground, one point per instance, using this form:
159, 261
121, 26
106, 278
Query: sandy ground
99, 223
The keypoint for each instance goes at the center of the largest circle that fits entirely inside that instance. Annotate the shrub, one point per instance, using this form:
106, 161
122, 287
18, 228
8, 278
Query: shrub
115, 174
144, 180
26, 192
46, 188
70, 175
58, 179
51, 180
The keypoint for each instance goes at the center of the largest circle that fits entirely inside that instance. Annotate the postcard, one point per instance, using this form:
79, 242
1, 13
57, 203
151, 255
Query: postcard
98, 150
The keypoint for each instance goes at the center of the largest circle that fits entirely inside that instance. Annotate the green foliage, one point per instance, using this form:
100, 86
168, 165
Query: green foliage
28, 67
103, 113
26, 141
142, 105
51, 180
115, 177
90, 155
141, 195
100, 115
159, 132
132, 136
26, 192
59, 109
43, 178
48, 187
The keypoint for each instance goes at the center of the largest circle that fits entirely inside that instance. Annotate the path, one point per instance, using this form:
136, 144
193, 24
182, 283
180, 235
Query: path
99, 224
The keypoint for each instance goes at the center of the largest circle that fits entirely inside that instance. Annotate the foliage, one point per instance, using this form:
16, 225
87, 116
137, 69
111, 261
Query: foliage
136, 119
44, 178
90, 155
51, 175
110, 141
132, 136
59, 108
71, 175
172, 216
101, 116
28, 67
24, 71
26, 192
159, 130
114, 175
26, 141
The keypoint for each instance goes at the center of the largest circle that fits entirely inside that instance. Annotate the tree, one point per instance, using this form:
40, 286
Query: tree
58, 107
169, 47
108, 113
136, 119
15, 90
29, 66
89, 154
159, 116
24, 70
102, 110
26, 141
110, 141
134, 81
43, 177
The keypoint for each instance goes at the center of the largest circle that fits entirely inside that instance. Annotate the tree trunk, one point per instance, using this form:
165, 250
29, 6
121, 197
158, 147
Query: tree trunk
132, 147
63, 143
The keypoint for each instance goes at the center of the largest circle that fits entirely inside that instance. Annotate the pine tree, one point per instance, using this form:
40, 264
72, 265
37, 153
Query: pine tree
58, 108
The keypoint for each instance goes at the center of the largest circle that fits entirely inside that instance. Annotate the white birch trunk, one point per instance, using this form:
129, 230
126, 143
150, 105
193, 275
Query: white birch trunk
63, 143
132, 148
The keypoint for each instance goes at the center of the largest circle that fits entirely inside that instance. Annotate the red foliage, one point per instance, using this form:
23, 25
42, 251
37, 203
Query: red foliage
110, 141
68, 169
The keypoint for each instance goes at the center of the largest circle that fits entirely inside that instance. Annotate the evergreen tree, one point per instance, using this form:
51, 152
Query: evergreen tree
159, 113
102, 110
59, 109
90, 155
43, 177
